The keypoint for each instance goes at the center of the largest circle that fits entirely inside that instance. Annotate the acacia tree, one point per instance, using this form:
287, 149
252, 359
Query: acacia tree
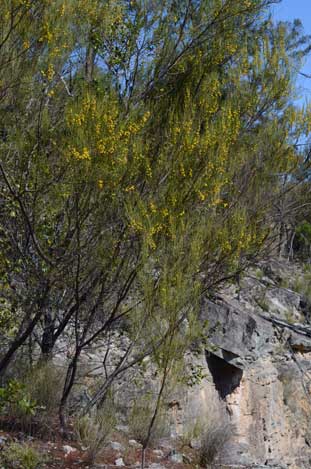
137, 151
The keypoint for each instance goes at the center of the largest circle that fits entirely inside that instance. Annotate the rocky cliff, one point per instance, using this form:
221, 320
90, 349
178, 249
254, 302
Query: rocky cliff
253, 401
259, 368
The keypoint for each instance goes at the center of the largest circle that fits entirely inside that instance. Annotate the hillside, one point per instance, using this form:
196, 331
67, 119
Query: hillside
249, 409
155, 235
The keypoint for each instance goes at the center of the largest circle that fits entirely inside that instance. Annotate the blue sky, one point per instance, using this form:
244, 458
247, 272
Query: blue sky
289, 10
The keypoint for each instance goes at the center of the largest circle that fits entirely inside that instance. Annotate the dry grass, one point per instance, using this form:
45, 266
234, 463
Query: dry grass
211, 430
139, 420
93, 431
21, 456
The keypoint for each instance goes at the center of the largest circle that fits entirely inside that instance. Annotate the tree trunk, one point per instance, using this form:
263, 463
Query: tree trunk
17, 343
48, 339
89, 63
69, 381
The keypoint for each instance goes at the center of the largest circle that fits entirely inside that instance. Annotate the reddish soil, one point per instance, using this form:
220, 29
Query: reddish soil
57, 458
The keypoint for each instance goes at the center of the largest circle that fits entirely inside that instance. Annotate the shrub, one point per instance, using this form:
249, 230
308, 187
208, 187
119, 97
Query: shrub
139, 420
16, 404
21, 456
302, 241
93, 431
262, 303
302, 285
30, 403
192, 432
44, 384
213, 440
259, 274
210, 432
14, 393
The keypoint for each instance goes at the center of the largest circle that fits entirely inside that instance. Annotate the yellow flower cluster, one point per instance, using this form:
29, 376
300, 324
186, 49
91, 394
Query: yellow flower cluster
50, 72
62, 10
136, 226
47, 34
83, 154
130, 188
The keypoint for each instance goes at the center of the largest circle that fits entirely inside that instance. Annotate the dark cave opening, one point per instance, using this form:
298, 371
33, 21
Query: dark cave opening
226, 376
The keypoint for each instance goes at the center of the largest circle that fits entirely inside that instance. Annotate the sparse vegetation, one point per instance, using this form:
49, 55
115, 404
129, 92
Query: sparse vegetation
289, 317
263, 304
302, 285
139, 420
213, 441
259, 274
21, 456
17, 405
44, 384
93, 430
210, 432
30, 404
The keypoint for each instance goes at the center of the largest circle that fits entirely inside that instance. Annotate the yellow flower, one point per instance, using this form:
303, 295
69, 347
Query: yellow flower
202, 196
153, 208
50, 72
81, 155
62, 10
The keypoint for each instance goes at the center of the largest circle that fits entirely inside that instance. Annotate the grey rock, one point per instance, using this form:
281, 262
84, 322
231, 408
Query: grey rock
237, 335
122, 428
176, 457
155, 465
135, 444
259, 361
119, 462
158, 452
115, 445
68, 449
256, 369
300, 343
165, 443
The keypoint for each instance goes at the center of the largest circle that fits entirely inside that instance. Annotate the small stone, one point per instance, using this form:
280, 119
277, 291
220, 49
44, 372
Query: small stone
122, 428
115, 445
119, 462
68, 449
134, 444
176, 457
158, 452
165, 443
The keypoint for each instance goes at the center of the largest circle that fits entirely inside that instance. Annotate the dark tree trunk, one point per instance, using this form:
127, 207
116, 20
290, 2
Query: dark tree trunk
17, 343
24, 333
48, 339
69, 381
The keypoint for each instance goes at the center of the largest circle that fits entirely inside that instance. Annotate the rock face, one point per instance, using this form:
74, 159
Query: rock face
259, 366
253, 402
